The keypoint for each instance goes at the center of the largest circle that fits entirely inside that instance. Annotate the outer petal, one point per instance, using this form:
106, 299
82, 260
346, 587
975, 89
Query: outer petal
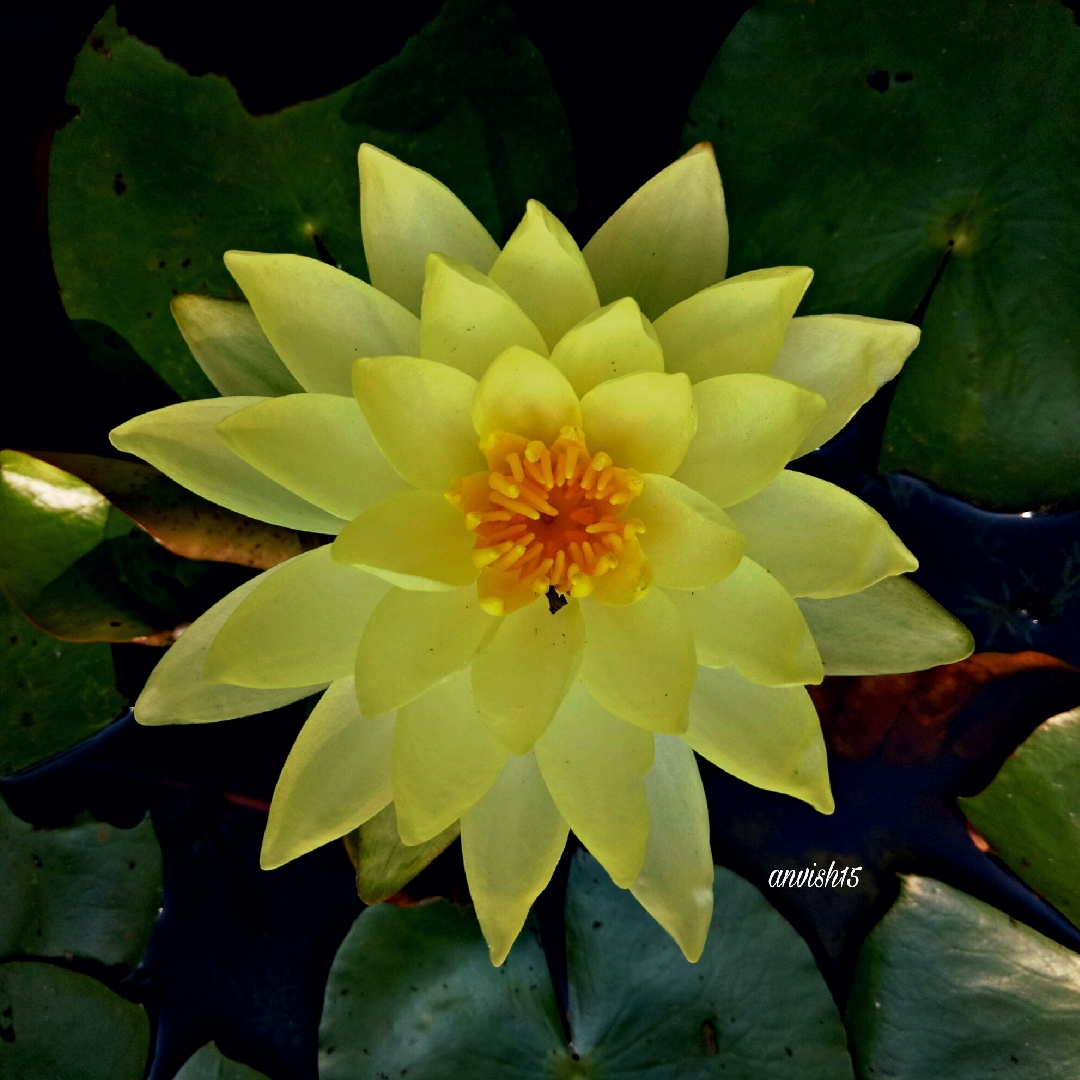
748, 428
675, 885
891, 627
445, 758
415, 540
178, 693
320, 319
668, 241
691, 543
846, 359
300, 626
414, 640
734, 326
769, 737
594, 766
419, 413
228, 344
404, 214
180, 440
511, 841
817, 539
639, 661
522, 676
526, 394
466, 319
316, 445
542, 268
336, 776
749, 620
644, 421
616, 340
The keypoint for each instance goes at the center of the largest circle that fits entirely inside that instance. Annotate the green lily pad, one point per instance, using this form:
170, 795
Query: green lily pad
906, 138
209, 1063
949, 988
1030, 812
161, 172
90, 890
57, 1024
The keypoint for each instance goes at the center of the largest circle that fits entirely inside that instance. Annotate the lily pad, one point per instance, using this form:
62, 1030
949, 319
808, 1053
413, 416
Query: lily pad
949, 987
910, 140
57, 1024
209, 1063
91, 890
1030, 812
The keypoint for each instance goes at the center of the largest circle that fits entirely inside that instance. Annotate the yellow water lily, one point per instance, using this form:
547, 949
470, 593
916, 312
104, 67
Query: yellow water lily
568, 551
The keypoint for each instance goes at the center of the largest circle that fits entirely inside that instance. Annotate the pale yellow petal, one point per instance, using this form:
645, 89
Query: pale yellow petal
644, 421
675, 885
445, 757
320, 319
639, 661
404, 215
629, 581
542, 268
511, 841
817, 539
594, 765
466, 319
502, 592
690, 542
337, 775
419, 414
525, 394
301, 626
768, 736
415, 540
749, 620
521, 677
735, 326
414, 640
748, 428
668, 241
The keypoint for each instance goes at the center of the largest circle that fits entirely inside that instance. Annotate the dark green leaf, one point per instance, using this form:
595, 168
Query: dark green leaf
874, 142
209, 1063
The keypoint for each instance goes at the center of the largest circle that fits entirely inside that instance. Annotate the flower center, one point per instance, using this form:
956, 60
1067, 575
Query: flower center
550, 514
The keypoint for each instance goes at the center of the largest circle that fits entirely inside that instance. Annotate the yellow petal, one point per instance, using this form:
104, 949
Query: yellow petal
644, 421
502, 592
316, 445
301, 626
523, 393
511, 841
629, 581
466, 319
228, 344
337, 775
817, 539
749, 620
419, 414
404, 215
415, 540
668, 241
748, 428
734, 326
542, 268
639, 661
445, 758
690, 541
177, 691
414, 640
675, 885
768, 736
594, 765
616, 340
181, 441
320, 319
522, 676
844, 358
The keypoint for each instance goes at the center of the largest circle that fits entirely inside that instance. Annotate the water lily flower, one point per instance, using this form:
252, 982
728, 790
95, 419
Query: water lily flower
569, 553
